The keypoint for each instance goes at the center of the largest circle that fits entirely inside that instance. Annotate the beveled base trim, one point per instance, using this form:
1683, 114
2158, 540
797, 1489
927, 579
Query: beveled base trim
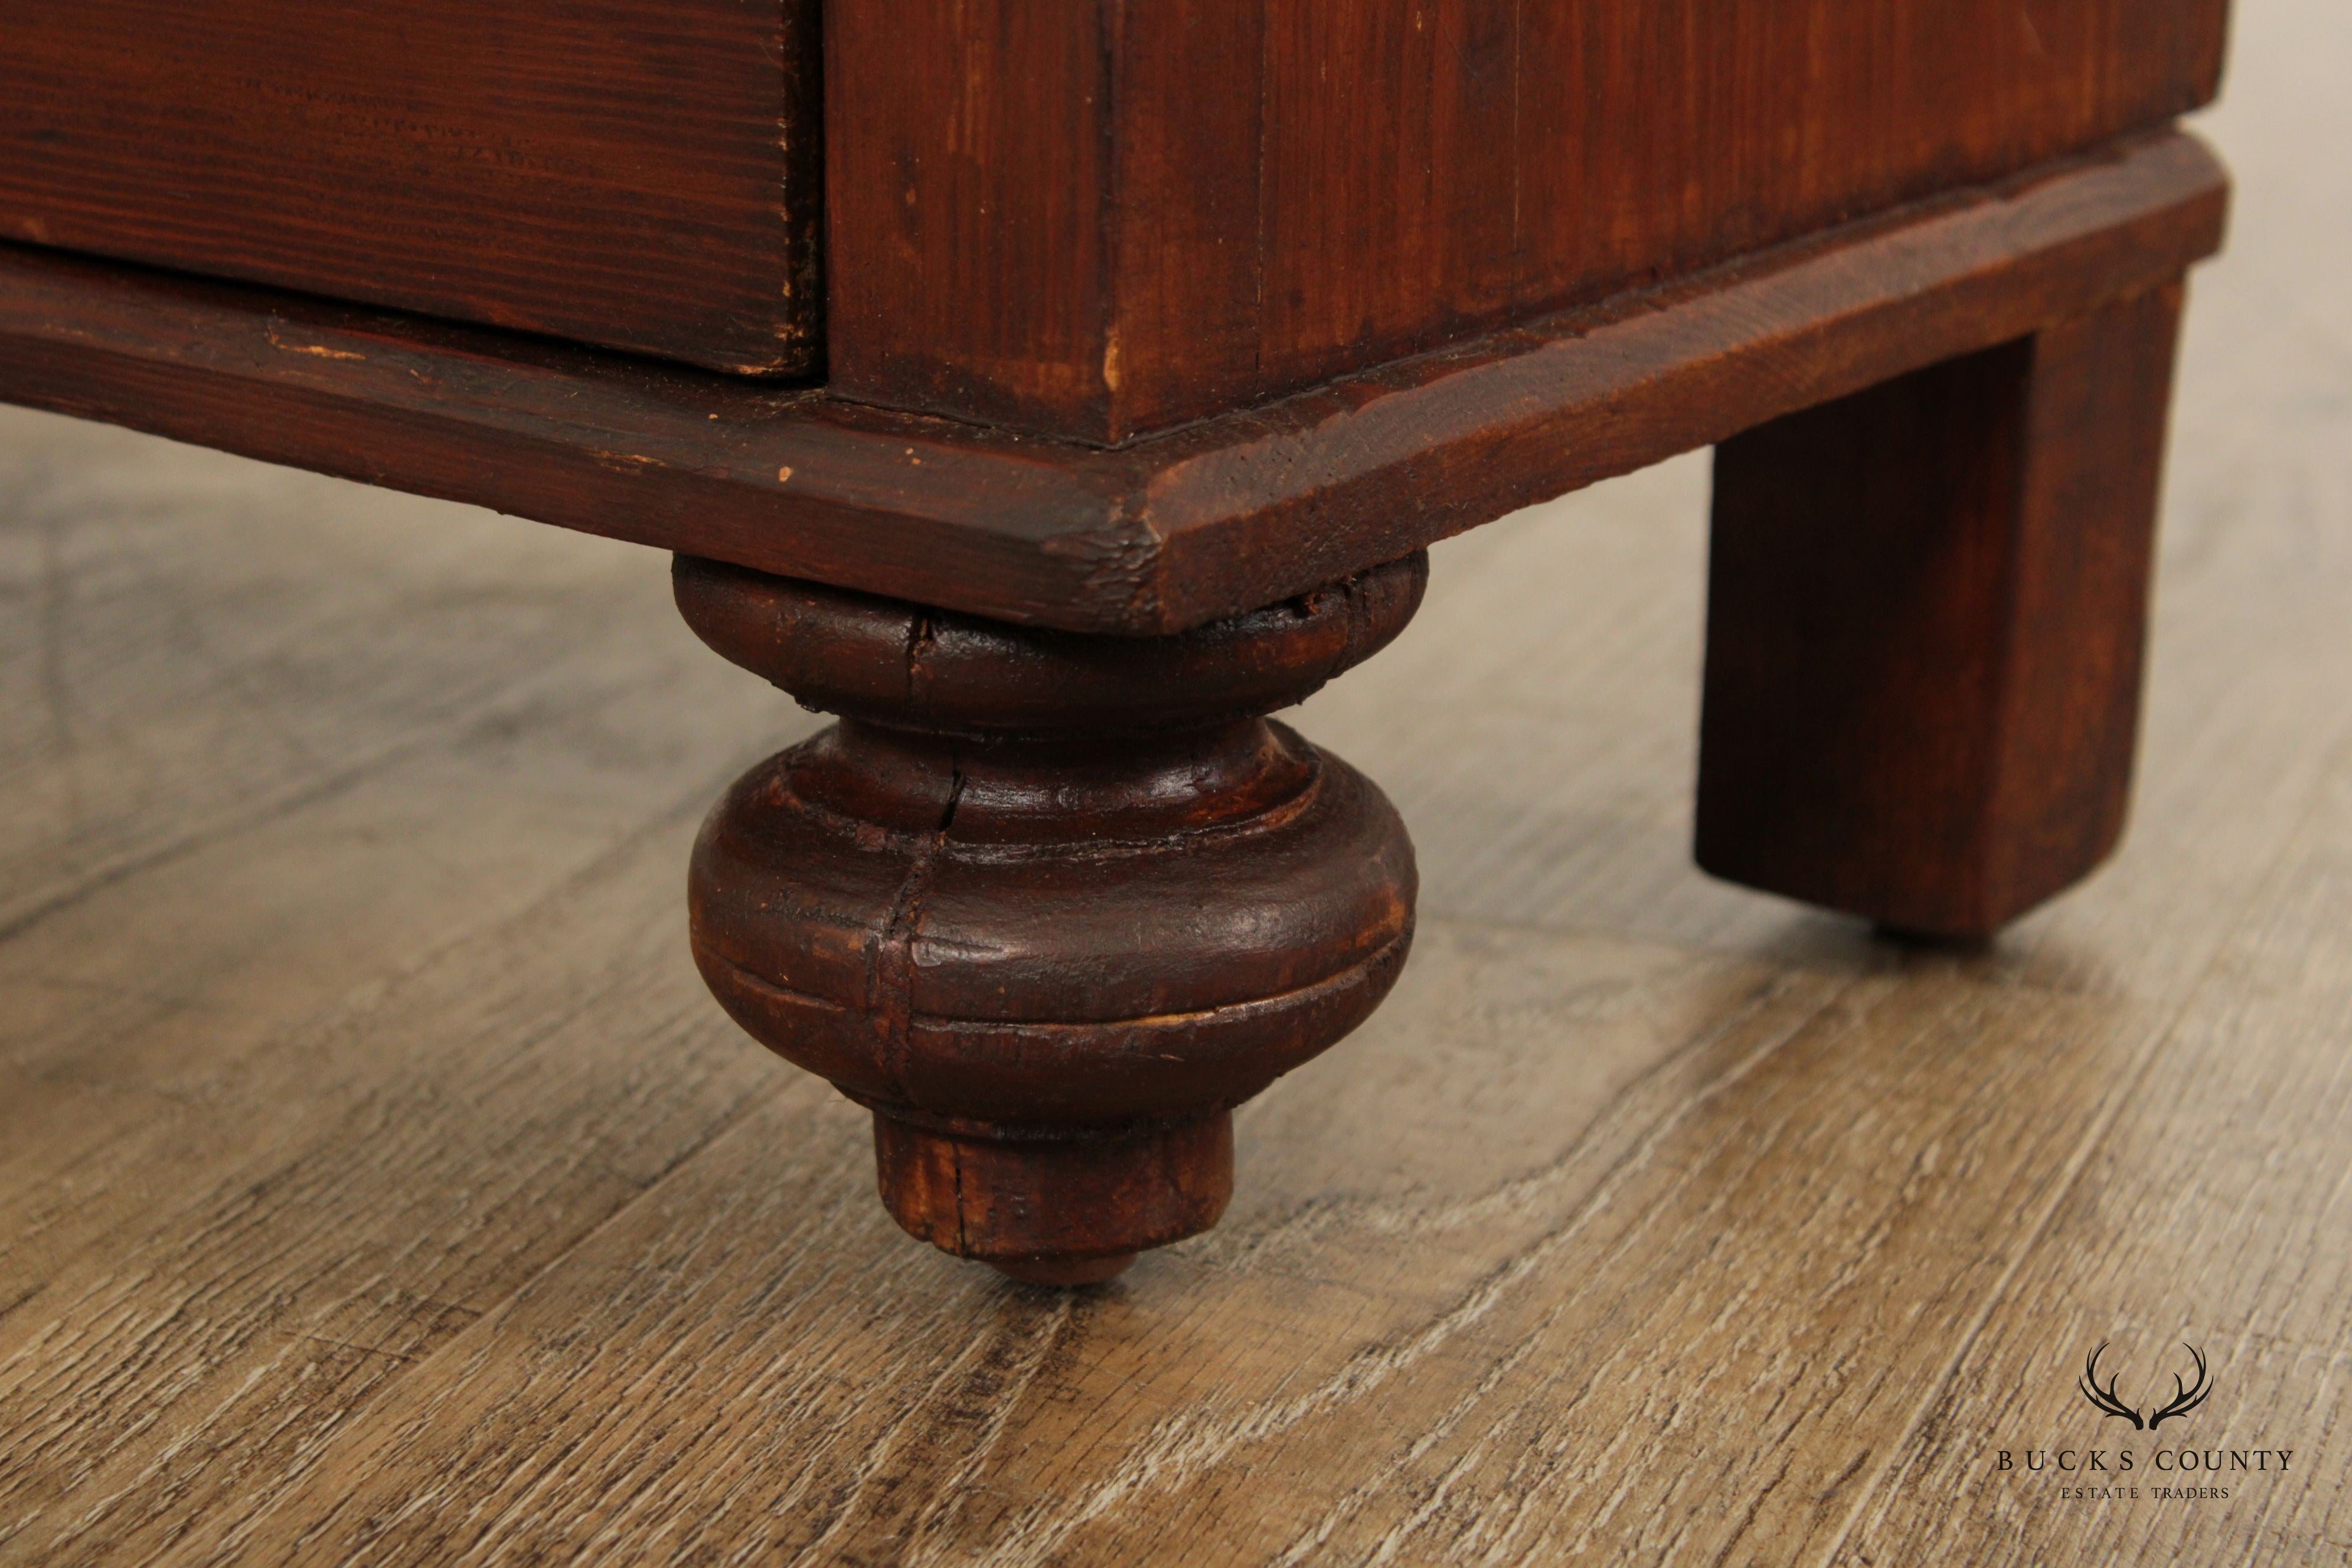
1165, 533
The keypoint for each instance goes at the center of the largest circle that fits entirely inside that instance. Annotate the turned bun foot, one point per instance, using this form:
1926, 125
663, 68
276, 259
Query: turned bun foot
1049, 905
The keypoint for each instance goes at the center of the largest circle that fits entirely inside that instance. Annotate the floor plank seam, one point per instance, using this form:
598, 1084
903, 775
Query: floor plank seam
162, 855
1899, 1448
1173, 1451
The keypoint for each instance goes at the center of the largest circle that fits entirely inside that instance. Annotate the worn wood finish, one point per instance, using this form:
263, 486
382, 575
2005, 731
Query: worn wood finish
1049, 905
1097, 220
1928, 608
382, 1189
639, 175
1206, 523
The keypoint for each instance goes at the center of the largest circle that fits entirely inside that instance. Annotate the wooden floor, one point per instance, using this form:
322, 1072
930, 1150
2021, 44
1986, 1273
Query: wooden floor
378, 1185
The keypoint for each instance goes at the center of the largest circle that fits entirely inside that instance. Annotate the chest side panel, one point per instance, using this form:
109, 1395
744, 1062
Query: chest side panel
1198, 202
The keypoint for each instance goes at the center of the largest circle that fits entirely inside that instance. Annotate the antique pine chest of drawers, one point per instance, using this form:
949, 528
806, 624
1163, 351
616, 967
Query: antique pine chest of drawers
1053, 388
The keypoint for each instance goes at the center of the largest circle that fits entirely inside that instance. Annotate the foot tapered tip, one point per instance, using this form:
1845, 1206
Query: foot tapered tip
1063, 1271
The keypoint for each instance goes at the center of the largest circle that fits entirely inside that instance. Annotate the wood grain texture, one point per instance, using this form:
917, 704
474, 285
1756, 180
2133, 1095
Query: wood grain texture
2260, 1047
1651, 1222
637, 176
1049, 905
1927, 614
360, 722
1216, 519
1096, 220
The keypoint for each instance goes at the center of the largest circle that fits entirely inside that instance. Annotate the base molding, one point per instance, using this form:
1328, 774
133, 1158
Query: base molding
1166, 532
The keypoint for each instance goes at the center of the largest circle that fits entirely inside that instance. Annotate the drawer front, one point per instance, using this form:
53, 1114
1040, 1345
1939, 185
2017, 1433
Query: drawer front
639, 174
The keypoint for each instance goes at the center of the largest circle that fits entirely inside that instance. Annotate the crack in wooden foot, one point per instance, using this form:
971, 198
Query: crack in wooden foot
1048, 904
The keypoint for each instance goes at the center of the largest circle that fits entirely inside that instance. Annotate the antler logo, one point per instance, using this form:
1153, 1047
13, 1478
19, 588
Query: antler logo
2186, 1397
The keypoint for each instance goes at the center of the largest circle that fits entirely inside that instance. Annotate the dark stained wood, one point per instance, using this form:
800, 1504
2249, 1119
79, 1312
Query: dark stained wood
1044, 1209
1097, 219
1613, 1242
969, 129
1628, 1156
1050, 905
639, 175
1649, 1221
1204, 522
1928, 608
